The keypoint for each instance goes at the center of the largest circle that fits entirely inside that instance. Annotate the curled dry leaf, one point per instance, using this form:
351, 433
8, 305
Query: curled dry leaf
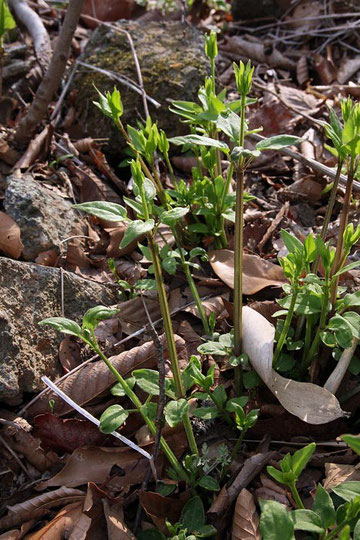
70, 522
116, 528
94, 464
47, 258
309, 402
10, 242
161, 508
257, 273
93, 379
48, 500
246, 520
66, 434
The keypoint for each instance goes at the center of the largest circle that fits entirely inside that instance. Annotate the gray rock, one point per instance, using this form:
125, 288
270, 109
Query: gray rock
44, 217
173, 65
29, 293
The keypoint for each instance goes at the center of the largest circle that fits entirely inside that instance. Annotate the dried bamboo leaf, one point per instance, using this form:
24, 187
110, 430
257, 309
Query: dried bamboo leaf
309, 402
246, 520
89, 382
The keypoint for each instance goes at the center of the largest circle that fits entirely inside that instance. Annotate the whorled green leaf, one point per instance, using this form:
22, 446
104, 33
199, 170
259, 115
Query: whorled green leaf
136, 229
113, 418
61, 324
103, 210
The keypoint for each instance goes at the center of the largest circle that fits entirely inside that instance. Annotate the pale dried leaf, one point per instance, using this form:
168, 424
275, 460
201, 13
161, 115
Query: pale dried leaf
48, 500
10, 242
70, 523
93, 464
93, 379
309, 402
246, 520
211, 305
257, 273
11, 535
336, 473
116, 528
47, 258
251, 468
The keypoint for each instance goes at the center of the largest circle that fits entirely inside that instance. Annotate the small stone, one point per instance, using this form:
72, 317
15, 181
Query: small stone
44, 217
28, 294
173, 66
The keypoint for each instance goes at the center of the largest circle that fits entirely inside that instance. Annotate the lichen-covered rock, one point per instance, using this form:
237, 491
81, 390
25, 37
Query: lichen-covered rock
173, 66
28, 294
44, 217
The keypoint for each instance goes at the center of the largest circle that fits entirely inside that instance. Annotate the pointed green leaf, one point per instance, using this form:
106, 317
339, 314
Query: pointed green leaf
61, 324
275, 522
103, 210
324, 507
347, 490
353, 441
306, 520
136, 229
209, 483
277, 142
112, 418
96, 314
301, 457
193, 515
199, 140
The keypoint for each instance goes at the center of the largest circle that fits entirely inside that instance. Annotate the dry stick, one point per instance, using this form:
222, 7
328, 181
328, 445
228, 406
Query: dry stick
17, 459
53, 75
36, 29
160, 408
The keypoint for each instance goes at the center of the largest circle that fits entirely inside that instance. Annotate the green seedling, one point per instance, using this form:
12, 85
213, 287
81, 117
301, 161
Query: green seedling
6, 23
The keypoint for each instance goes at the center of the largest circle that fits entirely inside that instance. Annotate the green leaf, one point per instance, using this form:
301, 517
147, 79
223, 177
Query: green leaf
199, 140
61, 324
213, 347
137, 138
251, 380
150, 534
103, 210
220, 395
353, 320
301, 457
193, 515
342, 329
206, 413
356, 533
175, 411
136, 229
353, 441
147, 380
347, 490
275, 522
231, 404
292, 243
96, 314
307, 520
118, 390
209, 483
346, 268
112, 418
6, 19
170, 217
146, 285
169, 264
277, 142
229, 123
324, 507
352, 299
276, 474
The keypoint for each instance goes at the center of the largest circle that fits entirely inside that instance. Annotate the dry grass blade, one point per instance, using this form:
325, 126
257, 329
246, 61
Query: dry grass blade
257, 273
91, 381
245, 520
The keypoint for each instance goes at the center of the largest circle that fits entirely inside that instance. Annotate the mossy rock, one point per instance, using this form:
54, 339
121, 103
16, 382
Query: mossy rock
173, 66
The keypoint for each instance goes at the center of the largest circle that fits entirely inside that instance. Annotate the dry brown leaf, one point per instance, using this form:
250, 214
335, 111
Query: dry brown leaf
257, 273
211, 305
69, 354
93, 379
161, 508
47, 258
11, 535
94, 464
14, 520
251, 468
70, 523
10, 242
336, 473
116, 528
48, 500
246, 520
305, 10
271, 491
309, 402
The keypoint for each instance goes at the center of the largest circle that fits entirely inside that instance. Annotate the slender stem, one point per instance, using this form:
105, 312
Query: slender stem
343, 224
239, 240
135, 400
223, 412
233, 453
308, 332
286, 326
322, 323
296, 496
170, 167
329, 211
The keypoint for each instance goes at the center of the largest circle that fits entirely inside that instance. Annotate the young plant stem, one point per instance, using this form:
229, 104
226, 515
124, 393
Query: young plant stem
307, 341
135, 400
239, 240
343, 224
296, 496
329, 211
234, 453
322, 323
286, 326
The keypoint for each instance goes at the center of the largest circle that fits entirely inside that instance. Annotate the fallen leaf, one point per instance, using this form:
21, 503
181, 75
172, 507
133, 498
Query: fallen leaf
69, 354
47, 258
309, 402
93, 379
306, 10
337, 473
246, 521
257, 273
116, 528
70, 522
94, 464
66, 434
161, 508
10, 242
48, 500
